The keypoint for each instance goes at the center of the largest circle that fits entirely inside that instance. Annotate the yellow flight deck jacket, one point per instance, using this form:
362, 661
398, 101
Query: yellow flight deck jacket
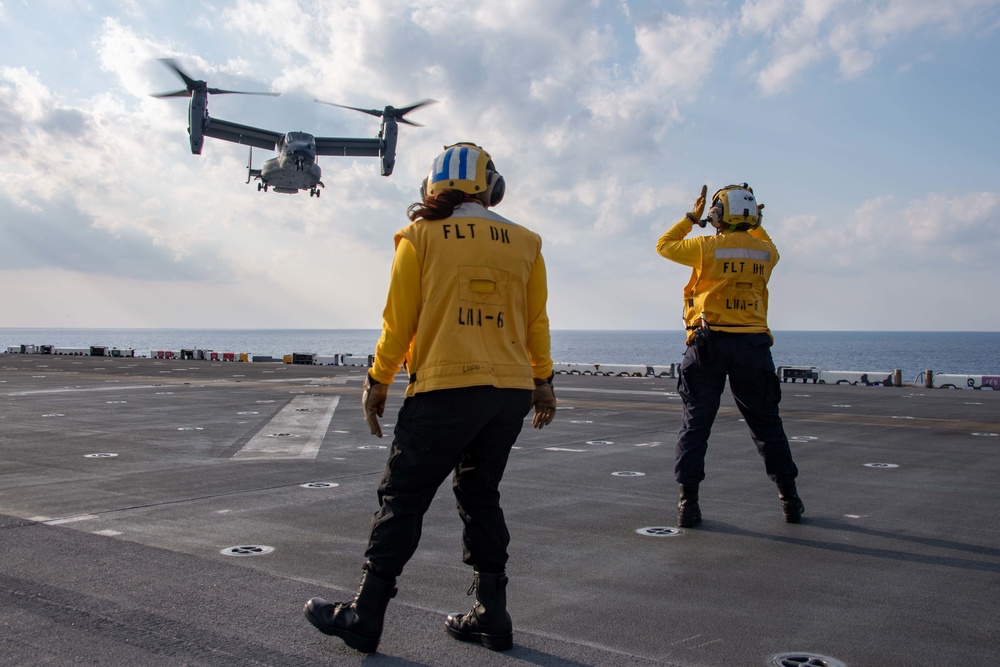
728, 278
466, 305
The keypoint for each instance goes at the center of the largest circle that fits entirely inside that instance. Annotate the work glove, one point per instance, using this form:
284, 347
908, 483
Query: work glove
373, 397
694, 215
543, 399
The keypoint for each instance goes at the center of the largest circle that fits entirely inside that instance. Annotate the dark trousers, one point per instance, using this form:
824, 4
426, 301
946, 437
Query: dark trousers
467, 431
746, 360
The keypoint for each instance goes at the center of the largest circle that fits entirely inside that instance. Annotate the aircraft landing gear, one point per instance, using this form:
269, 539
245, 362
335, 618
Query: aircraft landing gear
262, 186
314, 193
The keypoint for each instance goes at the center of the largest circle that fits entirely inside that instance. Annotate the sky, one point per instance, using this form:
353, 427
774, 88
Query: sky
868, 129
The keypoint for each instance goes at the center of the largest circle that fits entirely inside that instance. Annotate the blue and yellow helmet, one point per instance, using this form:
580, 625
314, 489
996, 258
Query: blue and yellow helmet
468, 168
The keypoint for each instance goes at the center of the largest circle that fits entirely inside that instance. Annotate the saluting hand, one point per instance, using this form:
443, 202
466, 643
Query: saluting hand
699, 207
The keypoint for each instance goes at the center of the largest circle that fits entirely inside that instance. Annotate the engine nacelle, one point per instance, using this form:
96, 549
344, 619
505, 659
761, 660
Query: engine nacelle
197, 114
388, 134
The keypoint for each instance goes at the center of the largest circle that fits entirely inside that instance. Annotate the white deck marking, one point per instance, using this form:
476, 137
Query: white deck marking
330, 380
81, 390
304, 421
72, 519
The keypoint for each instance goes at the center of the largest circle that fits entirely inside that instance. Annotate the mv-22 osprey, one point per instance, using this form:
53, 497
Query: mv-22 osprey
295, 166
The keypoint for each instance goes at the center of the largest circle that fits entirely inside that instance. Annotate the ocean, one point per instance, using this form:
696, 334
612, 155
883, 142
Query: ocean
974, 353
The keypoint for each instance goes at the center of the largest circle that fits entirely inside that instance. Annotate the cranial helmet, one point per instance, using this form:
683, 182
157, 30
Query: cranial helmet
468, 168
735, 205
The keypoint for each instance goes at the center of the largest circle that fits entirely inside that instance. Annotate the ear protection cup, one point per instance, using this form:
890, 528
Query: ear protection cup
715, 213
495, 187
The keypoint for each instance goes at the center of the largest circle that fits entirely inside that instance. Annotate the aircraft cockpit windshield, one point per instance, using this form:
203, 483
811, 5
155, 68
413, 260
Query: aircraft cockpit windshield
299, 137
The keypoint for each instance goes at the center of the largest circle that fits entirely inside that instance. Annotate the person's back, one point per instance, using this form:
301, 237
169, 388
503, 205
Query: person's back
725, 313
478, 327
730, 271
730, 286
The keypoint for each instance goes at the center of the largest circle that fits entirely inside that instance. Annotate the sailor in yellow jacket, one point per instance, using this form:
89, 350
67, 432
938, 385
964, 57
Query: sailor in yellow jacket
466, 313
725, 313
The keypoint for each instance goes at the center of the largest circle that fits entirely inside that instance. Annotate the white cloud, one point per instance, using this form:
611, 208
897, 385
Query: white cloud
797, 36
599, 115
678, 54
23, 91
762, 15
64, 298
951, 233
785, 68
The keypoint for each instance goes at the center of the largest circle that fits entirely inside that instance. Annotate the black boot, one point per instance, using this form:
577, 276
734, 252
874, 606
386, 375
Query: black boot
791, 504
688, 512
359, 622
488, 623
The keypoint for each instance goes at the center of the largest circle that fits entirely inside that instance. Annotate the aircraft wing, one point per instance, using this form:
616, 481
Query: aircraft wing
241, 134
348, 147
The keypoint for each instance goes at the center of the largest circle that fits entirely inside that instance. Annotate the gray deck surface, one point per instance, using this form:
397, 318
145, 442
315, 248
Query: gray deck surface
116, 560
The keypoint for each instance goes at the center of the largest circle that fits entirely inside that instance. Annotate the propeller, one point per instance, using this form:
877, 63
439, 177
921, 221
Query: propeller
196, 85
390, 111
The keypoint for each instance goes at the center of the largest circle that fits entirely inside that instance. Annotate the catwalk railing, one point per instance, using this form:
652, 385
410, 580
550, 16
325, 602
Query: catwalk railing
805, 374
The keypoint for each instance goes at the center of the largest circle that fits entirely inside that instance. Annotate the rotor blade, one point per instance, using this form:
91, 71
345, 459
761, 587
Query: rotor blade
219, 91
370, 112
389, 110
177, 93
172, 64
399, 113
194, 84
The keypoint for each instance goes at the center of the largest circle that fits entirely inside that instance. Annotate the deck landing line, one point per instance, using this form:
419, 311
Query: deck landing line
294, 433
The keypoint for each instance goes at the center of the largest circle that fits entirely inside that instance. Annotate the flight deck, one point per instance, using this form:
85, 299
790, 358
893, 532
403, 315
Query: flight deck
164, 512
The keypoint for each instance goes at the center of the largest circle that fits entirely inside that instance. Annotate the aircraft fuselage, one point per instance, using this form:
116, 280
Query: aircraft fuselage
295, 166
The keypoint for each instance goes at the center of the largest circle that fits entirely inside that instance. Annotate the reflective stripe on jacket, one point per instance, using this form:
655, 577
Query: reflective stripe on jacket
728, 278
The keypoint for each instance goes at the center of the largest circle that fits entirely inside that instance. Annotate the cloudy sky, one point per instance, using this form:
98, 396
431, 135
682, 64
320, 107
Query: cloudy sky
867, 128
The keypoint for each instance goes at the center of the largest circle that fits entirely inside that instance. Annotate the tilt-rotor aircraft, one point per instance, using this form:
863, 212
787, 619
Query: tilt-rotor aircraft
295, 166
